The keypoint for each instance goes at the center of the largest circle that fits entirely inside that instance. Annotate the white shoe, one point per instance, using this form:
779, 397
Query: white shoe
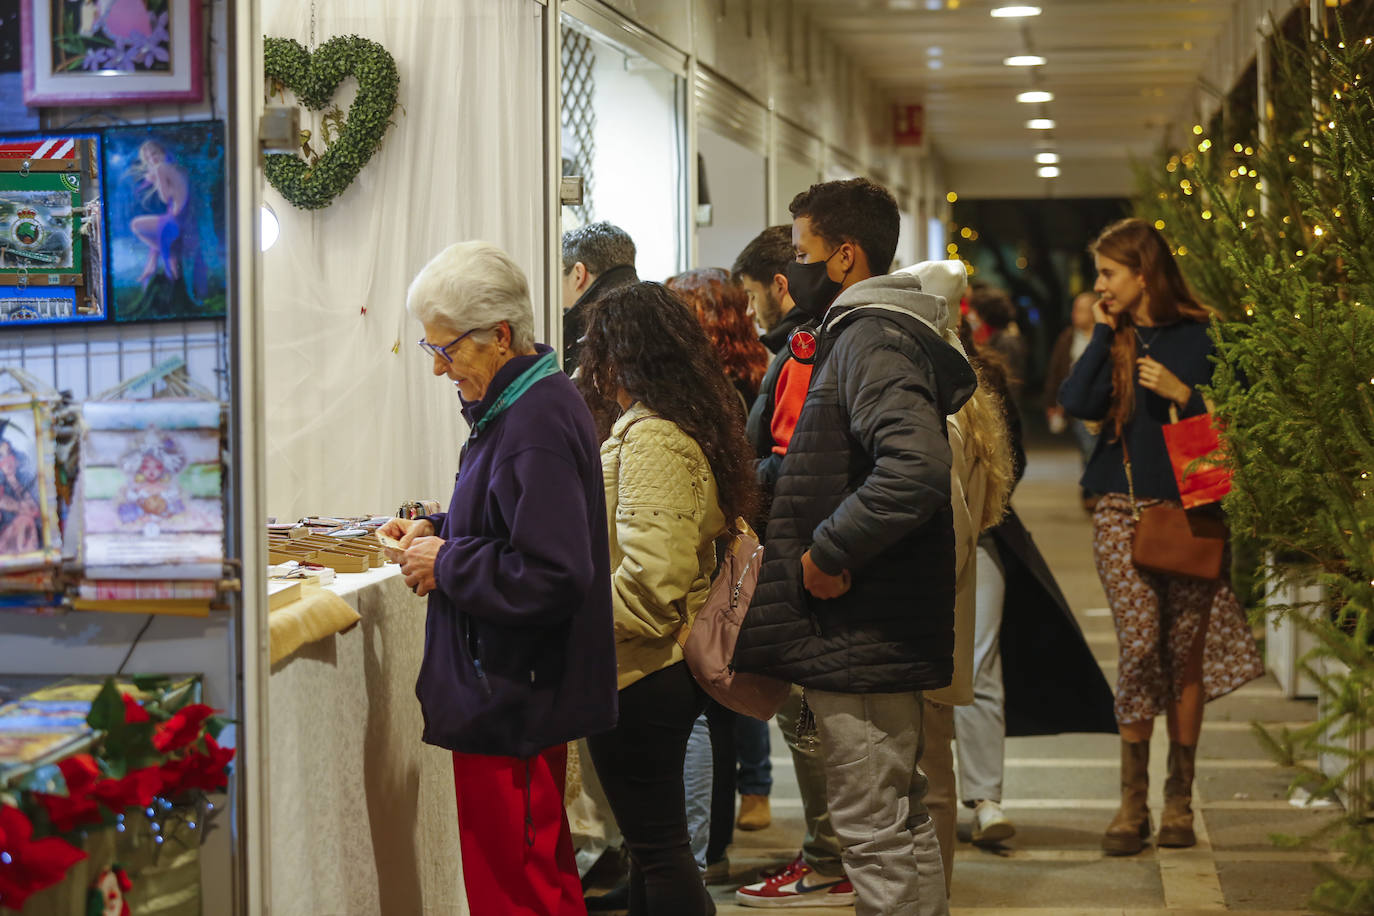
990, 824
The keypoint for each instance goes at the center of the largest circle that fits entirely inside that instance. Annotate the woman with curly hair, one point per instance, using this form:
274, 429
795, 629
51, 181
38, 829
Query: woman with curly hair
722, 308
677, 469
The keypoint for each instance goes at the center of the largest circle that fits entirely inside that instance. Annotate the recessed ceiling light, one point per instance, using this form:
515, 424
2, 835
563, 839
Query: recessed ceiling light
1024, 60
934, 63
1047, 158
1015, 12
1048, 171
934, 51
1041, 123
1035, 95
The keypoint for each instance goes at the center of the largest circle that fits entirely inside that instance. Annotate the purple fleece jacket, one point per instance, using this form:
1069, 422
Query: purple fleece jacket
519, 650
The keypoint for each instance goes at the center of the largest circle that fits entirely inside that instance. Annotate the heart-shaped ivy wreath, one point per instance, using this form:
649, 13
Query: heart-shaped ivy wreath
314, 78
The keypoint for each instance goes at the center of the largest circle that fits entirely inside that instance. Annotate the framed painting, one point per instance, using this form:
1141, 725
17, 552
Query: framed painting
165, 221
52, 253
29, 534
111, 52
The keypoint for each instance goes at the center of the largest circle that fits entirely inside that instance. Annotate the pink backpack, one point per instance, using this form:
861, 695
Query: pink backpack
709, 642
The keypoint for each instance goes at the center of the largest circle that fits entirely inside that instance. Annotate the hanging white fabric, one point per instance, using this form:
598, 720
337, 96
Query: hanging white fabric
353, 427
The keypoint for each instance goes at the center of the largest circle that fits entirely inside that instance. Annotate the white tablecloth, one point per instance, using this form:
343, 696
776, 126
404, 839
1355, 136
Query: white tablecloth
363, 817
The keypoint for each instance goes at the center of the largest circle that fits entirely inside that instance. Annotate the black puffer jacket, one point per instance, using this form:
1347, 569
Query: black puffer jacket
865, 486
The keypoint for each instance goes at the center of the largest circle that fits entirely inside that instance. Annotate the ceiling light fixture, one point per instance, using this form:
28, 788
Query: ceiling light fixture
1041, 123
1024, 60
1048, 171
1047, 158
1015, 12
1035, 95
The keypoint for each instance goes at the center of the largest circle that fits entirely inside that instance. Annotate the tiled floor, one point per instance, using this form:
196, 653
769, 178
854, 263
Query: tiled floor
1061, 792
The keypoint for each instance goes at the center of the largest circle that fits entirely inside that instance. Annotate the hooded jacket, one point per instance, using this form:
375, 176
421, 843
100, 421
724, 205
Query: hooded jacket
865, 486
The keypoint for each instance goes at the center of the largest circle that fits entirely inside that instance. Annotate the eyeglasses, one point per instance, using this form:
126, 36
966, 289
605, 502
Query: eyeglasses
436, 350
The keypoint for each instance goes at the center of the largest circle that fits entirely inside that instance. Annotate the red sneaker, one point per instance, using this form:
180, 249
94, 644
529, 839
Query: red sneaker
797, 885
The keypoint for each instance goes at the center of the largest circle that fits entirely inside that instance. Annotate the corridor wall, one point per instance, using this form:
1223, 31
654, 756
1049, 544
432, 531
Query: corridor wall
355, 422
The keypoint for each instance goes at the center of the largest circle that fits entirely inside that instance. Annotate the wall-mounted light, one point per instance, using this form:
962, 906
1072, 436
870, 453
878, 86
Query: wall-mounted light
1047, 158
1035, 95
1015, 12
270, 226
1048, 171
1024, 60
1041, 123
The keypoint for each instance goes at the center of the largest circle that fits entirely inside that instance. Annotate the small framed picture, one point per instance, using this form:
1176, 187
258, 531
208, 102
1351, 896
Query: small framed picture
29, 534
165, 220
111, 52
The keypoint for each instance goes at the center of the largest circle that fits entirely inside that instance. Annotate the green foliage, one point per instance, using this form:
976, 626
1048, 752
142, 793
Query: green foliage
314, 78
1279, 237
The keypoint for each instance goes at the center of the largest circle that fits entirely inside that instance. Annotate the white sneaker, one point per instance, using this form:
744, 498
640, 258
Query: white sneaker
990, 824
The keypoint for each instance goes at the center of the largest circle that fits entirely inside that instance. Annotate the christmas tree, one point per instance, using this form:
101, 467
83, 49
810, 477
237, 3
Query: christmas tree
1277, 233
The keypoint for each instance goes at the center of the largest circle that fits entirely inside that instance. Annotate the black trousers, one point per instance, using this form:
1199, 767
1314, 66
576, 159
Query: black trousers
722, 722
640, 764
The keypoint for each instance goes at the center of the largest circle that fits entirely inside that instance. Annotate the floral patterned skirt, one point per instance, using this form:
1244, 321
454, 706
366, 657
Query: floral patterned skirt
1157, 619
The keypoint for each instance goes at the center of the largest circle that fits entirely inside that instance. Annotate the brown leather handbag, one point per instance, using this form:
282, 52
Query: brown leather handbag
1175, 542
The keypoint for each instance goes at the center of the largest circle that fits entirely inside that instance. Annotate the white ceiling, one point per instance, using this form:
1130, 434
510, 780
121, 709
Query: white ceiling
1120, 71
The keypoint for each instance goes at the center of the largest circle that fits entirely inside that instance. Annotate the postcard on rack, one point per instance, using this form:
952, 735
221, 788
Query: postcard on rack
151, 486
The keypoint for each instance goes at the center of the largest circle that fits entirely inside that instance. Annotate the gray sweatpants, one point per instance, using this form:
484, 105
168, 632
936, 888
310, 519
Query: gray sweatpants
871, 745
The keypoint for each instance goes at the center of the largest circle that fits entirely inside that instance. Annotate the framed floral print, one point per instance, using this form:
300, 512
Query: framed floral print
111, 52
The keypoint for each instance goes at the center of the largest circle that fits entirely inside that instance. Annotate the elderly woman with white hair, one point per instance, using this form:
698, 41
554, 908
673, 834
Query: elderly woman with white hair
519, 655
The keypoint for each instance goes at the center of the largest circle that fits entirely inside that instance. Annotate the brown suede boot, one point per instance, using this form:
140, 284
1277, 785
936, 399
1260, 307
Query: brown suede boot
1176, 826
1126, 833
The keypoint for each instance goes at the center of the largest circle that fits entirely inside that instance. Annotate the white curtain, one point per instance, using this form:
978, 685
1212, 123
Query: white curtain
353, 427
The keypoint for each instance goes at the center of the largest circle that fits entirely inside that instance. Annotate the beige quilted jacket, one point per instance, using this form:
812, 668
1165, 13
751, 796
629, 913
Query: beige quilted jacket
663, 513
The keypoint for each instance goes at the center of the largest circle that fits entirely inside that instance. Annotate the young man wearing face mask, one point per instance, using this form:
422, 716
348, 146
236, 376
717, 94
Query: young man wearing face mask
816, 876
855, 600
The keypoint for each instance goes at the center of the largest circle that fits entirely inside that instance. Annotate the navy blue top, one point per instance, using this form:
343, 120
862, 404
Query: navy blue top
1184, 348
519, 649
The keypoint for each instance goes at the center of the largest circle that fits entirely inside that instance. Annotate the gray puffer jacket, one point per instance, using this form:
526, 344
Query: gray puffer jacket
865, 486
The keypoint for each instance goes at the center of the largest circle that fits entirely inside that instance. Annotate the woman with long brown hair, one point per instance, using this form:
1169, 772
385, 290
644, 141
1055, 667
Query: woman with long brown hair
1182, 641
677, 470
722, 309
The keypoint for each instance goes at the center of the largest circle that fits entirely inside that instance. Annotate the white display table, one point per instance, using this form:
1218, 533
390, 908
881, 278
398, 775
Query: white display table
363, 818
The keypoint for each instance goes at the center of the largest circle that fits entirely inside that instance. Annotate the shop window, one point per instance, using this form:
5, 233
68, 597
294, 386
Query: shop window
623, 133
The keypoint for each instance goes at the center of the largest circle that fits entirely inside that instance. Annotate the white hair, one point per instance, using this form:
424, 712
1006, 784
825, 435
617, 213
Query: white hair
474, 285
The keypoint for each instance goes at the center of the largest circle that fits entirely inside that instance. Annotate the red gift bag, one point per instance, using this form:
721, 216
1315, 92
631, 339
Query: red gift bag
1187, 441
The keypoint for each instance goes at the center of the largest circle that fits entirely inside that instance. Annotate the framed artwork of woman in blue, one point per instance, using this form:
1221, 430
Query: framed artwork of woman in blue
165, 221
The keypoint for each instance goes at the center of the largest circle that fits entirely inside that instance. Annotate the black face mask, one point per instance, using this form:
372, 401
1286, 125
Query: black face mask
811, 287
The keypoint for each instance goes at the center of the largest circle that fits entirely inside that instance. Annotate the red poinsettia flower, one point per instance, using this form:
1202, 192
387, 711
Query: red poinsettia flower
27, 865
182, 729
133, 710
206, 771
136, 790
76, 807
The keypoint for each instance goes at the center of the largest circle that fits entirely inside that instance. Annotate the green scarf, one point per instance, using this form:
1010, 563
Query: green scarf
543, 367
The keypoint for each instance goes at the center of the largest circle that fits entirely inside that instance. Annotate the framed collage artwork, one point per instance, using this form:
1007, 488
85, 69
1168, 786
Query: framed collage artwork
52, 249
111, 52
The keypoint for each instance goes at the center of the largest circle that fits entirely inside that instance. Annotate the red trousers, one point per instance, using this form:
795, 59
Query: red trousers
517, 849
